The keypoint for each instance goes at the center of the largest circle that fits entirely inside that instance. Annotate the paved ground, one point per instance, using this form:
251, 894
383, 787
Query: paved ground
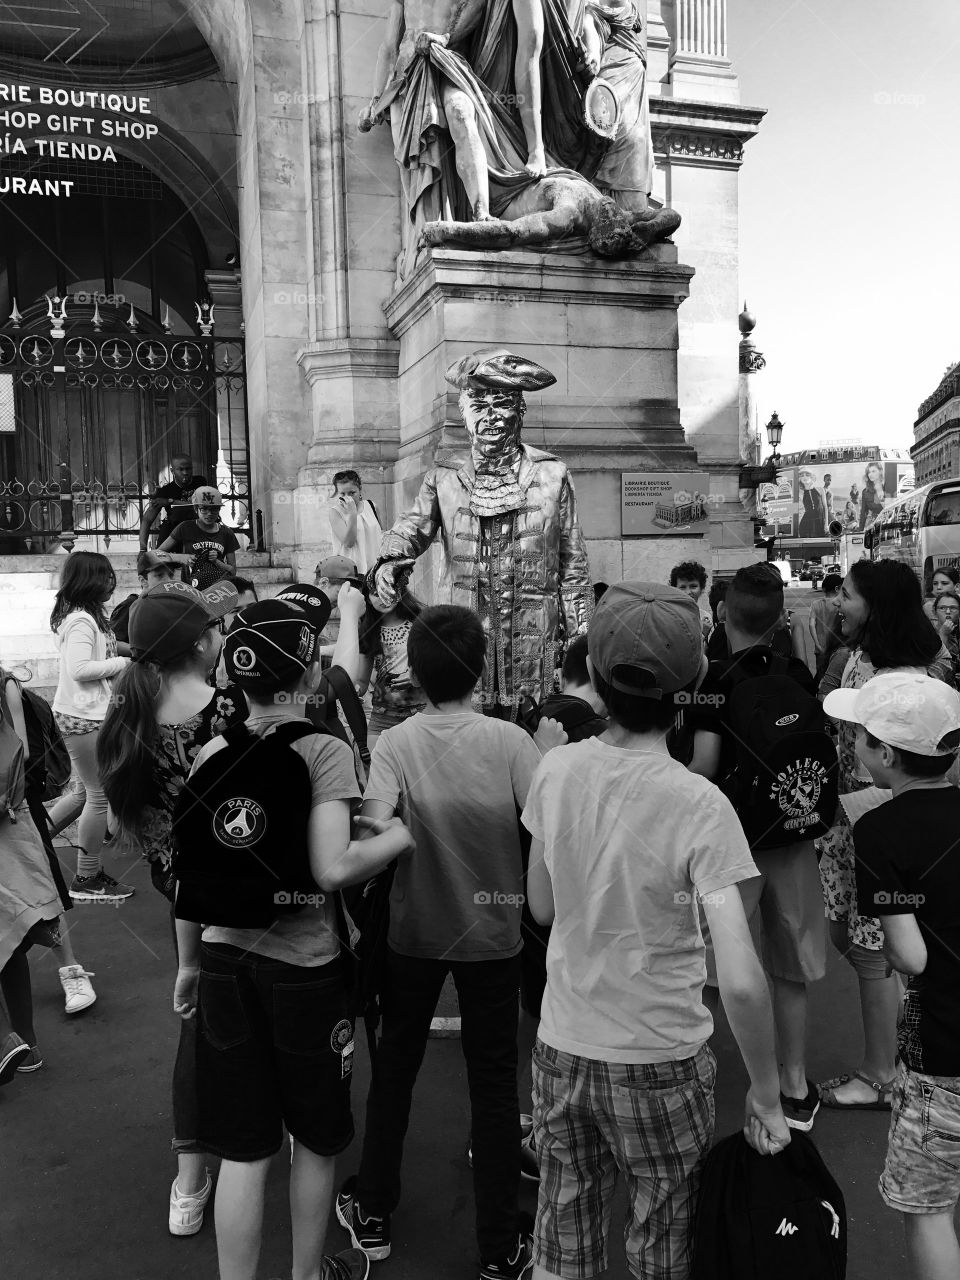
85, 1167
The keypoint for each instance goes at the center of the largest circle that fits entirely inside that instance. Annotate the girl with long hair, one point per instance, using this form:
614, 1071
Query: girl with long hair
354, 522
384, 631
147, 745
89, 659
882, 621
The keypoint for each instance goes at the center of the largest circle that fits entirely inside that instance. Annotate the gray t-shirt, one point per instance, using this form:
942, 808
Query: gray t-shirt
308, 938
458, 781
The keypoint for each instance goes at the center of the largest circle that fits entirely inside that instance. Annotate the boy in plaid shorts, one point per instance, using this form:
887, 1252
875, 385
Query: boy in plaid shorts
625, 842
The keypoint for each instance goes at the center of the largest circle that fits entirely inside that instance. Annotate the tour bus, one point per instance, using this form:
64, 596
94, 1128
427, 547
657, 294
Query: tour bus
922, 528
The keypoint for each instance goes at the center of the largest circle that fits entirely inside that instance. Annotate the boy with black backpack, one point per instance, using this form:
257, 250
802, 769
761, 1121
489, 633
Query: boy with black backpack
760, 733
262, 832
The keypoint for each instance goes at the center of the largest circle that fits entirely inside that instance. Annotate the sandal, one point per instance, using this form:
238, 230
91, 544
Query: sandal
882, 1102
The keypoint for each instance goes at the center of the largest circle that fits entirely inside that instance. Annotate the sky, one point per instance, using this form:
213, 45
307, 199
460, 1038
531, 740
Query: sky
850, 209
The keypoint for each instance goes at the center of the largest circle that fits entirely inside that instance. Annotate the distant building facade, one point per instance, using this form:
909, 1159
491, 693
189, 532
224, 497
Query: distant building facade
936, 432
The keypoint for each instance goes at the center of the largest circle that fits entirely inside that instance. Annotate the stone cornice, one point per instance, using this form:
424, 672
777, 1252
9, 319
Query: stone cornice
349, 358
708, 133
518, 275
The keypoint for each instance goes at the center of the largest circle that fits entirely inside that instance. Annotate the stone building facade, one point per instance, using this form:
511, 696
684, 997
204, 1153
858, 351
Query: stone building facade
936, 432
293, 221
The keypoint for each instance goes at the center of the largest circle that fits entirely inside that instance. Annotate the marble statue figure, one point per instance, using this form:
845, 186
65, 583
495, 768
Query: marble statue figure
561, 205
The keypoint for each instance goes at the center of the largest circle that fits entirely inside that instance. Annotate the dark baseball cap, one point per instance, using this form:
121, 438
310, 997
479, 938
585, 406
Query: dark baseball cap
337, 569
311, 599
171, 616
645, 639
270, 645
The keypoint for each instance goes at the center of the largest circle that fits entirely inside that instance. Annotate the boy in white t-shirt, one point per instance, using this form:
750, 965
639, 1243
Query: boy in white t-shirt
625, 840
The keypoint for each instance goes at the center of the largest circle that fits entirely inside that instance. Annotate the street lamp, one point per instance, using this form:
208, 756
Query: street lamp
766, 473
774, 436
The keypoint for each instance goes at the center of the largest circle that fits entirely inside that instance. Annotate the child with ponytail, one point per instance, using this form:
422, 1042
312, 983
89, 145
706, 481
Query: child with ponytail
146, 748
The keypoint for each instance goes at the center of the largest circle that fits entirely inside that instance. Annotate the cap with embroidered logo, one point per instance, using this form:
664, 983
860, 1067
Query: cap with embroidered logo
270, 645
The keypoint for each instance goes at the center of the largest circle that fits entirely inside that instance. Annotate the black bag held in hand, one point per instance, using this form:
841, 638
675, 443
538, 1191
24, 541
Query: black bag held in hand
765, 1217
784, 785
241, 853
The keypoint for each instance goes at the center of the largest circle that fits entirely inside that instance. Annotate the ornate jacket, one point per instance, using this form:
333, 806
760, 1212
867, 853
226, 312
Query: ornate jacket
525, 573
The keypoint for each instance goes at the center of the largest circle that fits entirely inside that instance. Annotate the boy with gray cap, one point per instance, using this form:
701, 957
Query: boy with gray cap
625, 843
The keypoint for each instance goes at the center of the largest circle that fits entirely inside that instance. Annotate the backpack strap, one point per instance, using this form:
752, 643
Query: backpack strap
375, 512
346, 695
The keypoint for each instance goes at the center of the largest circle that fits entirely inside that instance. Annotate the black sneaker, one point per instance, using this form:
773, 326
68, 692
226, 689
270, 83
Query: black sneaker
371, 1235
799, 1112
352, 1264
511, 1268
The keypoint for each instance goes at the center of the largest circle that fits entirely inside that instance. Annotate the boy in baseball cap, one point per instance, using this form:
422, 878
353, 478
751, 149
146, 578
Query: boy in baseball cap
908, 875
624, 842
291, 971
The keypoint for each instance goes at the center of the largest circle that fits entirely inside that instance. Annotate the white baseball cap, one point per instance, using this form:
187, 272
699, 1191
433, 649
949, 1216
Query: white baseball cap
908, 711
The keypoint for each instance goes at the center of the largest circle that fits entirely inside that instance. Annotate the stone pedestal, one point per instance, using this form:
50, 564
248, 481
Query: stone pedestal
607, 330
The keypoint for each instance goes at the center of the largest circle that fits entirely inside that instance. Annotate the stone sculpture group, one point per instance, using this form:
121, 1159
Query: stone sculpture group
519, 122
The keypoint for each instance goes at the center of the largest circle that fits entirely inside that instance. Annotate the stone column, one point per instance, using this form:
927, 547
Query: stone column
699, 66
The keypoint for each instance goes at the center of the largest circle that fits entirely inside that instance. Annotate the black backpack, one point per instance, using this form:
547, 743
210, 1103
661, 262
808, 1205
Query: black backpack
784, 782
48, 769
760, 1217
336, 689
240, 826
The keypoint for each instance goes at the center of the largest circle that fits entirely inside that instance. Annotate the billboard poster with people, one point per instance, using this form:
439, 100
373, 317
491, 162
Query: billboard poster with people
810, 495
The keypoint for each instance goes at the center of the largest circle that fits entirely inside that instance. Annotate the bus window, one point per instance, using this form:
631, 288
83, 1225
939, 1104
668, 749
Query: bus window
943, 508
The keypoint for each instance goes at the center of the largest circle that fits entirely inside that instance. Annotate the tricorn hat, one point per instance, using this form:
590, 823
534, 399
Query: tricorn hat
498, 369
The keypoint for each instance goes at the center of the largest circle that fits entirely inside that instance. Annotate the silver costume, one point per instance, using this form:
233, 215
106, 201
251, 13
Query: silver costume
507, 523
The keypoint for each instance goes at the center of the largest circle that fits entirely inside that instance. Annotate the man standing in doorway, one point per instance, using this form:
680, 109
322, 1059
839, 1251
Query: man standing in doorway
174, 499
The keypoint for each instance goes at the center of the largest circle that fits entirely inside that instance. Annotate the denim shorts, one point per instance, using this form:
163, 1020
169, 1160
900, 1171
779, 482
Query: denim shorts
922, 1171
595, 1120
275, 1048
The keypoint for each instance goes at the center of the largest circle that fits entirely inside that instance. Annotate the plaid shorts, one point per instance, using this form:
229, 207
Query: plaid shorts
593, 1120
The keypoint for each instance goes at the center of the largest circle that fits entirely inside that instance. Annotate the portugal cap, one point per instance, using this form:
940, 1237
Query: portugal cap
172, 616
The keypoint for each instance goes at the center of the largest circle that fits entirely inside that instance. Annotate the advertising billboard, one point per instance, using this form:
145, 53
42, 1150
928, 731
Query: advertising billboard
809, 495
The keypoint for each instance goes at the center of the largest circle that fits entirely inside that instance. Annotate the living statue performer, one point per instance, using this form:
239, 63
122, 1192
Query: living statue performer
507, 521
556, 208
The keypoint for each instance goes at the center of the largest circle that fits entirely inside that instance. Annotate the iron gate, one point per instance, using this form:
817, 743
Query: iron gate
89, 421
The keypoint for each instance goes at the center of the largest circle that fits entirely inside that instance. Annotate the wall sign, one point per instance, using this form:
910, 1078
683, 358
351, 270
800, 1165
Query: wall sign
664, 504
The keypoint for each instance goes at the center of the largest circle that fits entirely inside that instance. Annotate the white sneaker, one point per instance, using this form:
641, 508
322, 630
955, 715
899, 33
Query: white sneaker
75, 981
186, 1212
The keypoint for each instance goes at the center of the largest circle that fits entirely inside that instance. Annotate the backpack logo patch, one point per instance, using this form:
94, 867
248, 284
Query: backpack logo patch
796, 789
785, 720
786, 1228
239, 822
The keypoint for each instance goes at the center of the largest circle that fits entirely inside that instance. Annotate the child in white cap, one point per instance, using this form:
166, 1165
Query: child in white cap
908, 731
